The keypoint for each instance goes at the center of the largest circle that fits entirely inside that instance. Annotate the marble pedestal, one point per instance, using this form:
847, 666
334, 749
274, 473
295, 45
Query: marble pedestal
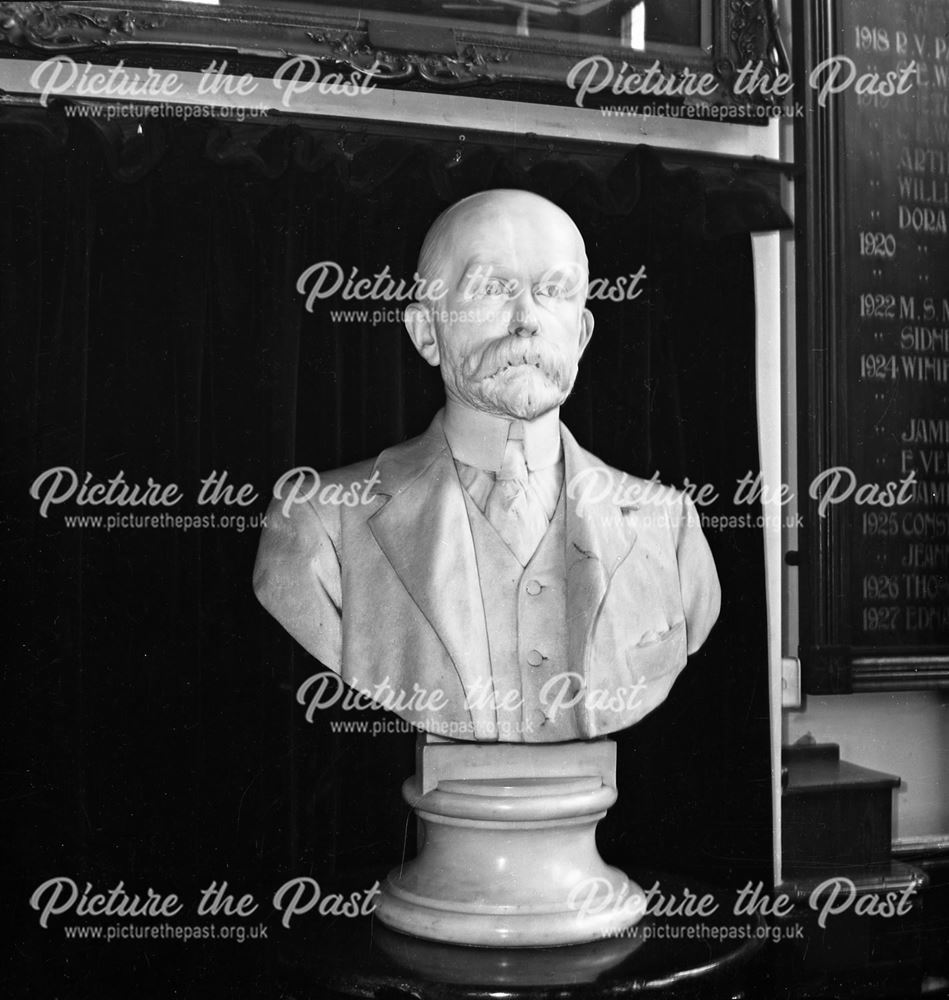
507, 849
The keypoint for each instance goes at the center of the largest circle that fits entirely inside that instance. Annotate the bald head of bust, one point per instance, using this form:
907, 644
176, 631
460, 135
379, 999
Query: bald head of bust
505, 318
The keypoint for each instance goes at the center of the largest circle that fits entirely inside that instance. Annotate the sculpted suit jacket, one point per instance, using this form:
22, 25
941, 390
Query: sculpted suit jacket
387, 592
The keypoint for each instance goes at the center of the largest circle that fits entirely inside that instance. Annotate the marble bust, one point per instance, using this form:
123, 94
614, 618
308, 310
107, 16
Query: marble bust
496, 582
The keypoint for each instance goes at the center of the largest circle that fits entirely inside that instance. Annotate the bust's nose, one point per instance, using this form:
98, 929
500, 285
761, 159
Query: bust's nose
524, 322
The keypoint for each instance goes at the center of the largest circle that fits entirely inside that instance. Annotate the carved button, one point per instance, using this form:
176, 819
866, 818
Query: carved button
533, 588
535, 658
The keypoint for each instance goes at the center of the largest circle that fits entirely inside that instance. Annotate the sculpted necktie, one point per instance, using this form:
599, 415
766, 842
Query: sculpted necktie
514, 507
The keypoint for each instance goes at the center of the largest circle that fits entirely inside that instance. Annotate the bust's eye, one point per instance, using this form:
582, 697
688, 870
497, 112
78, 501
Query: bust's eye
552, 289
496, 286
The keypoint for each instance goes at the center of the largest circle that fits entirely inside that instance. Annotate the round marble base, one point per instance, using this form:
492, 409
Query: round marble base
510, 863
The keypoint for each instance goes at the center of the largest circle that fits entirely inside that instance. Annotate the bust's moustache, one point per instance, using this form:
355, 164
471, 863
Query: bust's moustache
514, 351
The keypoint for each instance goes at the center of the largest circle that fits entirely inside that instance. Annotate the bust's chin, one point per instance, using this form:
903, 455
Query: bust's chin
521, 393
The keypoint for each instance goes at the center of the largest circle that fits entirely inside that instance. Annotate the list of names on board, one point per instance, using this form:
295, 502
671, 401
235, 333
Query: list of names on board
896, 326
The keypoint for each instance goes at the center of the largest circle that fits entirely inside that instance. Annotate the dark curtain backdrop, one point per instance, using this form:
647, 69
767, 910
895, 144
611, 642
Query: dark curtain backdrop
151, 326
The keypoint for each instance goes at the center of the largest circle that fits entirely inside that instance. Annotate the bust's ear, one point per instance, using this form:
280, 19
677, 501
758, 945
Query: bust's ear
420, 322
586, 331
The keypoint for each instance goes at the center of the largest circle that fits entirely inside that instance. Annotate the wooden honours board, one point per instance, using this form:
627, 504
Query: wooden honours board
879, 410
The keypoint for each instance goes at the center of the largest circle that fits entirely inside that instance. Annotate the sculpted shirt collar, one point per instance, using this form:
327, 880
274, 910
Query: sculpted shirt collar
478, 439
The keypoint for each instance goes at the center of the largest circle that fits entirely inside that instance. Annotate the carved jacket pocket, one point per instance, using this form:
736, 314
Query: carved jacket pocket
657, 657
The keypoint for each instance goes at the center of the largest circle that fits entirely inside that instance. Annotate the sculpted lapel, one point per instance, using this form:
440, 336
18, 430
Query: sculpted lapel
598, 542
423, 531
